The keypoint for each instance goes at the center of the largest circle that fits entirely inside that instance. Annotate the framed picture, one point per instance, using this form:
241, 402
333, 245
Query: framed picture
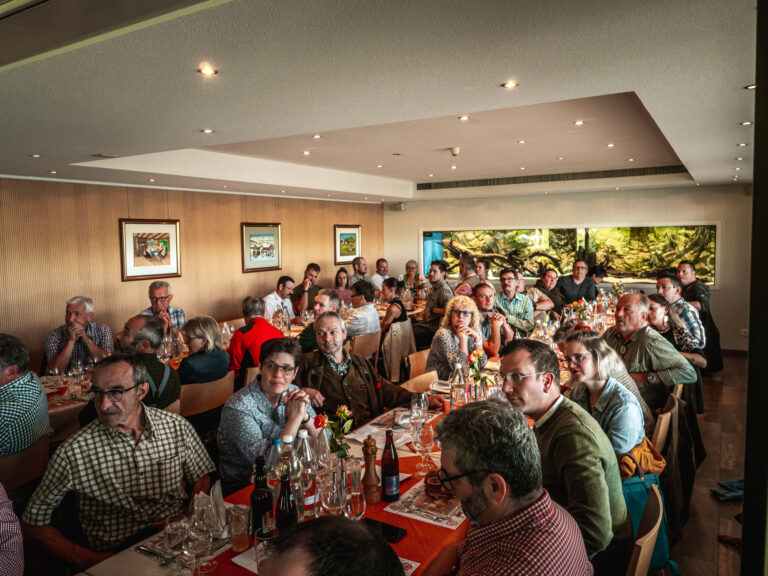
149, 249
261, 246
347, 243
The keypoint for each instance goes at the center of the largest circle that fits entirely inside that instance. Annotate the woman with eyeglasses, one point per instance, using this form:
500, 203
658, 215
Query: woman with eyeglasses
269, 407
341, 285
207, 360
665, 320
595, 389
458, 336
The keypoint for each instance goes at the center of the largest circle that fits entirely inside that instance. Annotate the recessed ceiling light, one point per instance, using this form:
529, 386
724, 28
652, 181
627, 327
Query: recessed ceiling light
431, 175
746, 123
36, 155
579, 123
521, 141
510, 84
750, 86
306, 152
742, 144
51, 171
738, 169
282, 191
329, 195
151, 179
630, 159
453, 167
317, 136
617, 187
736, 178
611, 145
206, 69
522, 167
365, 197
463, 118
739, 158
698, 183
379, 165
561, 158
207, 131
225, 186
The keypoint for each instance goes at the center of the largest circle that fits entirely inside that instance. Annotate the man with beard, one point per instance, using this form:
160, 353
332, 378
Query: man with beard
577, 285
493, 325
491, 462
79, 338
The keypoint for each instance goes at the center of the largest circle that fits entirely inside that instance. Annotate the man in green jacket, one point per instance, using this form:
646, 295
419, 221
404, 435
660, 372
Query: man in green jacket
579, 468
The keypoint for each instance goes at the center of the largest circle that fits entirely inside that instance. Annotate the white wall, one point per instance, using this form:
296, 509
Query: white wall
727, 206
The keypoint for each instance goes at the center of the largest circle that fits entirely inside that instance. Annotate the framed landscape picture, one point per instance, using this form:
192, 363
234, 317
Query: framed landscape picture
261, 246
347, 243
149, 249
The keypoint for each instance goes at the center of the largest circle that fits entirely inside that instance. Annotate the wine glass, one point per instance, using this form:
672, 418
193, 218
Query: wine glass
354, 506
419, 408
197, 541
174, 533
205, 513
423, 441
332, 491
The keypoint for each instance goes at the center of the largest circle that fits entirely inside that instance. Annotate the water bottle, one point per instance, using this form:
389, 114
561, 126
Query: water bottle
273, 480
308, 471
458, 389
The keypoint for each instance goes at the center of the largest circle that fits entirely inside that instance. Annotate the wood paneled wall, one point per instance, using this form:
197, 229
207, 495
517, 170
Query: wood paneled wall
59, 240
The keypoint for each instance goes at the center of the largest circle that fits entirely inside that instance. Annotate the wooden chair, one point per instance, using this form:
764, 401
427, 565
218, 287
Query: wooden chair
234, 324
421, 382
647, 533
25, 466
365, 345
418, 361
677, 390
174, 406
199, 398
661, 431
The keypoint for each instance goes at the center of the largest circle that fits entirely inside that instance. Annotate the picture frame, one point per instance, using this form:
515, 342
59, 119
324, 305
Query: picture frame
347, 243
261, 246
149, 249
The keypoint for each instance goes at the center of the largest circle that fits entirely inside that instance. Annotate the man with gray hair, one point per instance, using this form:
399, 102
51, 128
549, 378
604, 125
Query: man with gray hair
160, 296
245, 346
79, 338
491, 462
326, 301
23, 407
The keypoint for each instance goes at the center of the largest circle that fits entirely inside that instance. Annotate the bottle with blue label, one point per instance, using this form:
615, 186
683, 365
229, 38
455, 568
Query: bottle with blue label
390, 471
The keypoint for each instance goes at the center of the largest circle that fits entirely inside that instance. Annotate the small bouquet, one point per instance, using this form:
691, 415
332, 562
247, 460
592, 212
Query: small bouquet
617, 289
338, 429
477, 375
579, 308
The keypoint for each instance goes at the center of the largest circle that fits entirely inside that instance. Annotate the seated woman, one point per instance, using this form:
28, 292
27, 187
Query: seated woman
396, 309
269, 407
597, 391
411, 276
458, 335
207, 360
666, 321
341, 285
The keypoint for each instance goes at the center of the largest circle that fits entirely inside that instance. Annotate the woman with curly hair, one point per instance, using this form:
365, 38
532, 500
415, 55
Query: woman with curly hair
459, 334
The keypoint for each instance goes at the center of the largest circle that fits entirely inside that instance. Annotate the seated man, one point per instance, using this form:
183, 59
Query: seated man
160, 297
331, 546
547, 284
78, 338
280, 299
651, 360
669, 286
360, 266
23, 407
434, 308
577, 285
326, 301
332, 376
517, 308
468, 275
142, 335
516, 527
246, 342
365, 317
382, 269
493, 325
126, 469
11, 540
303, 296
696, 293
579, 468
541, 302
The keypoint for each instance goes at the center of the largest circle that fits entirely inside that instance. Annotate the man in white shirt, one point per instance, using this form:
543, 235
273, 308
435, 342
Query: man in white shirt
280, 299
382, 267
365, 318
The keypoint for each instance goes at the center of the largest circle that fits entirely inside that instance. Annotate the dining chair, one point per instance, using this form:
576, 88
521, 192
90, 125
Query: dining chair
661, 431
199, 398
251, 374
418, 361
366, 345
647, 532
677, 390
25, 466
421, 382
174, 406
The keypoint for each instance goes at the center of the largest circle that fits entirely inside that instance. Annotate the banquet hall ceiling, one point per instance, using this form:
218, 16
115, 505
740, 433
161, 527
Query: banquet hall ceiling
659, 87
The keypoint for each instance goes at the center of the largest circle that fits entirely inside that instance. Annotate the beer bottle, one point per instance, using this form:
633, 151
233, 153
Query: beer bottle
286, 511
390, 471
261, 497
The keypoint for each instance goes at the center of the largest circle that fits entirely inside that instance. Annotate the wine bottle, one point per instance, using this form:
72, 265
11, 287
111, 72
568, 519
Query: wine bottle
285, 512
390, 471
261, 497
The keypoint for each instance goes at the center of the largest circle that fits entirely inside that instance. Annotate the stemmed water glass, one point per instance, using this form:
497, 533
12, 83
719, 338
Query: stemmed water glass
197, 541
354, 506
174, 533
419, 408
206, 514
423, 441
332, 492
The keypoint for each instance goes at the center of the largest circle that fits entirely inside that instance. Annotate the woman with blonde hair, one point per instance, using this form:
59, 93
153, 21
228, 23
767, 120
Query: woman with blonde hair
458, 336
207, 360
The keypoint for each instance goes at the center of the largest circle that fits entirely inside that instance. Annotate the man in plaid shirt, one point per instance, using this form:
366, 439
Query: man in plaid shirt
491, 461
127, 469
160, 297
78, 338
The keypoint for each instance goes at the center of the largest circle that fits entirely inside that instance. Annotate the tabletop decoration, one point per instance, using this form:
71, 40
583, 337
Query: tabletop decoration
338, 428
579, 308
617, 289
481, 380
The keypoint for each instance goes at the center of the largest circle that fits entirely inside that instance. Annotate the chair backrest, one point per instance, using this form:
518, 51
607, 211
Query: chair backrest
647, 532
25, 466
251, 374
421, 382
233, 324
199, 398
418, 361
365, 345
677, 391
661, 431
174, 406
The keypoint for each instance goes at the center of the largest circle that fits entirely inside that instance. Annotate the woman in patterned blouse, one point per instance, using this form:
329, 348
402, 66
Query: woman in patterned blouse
665, 320
459, 334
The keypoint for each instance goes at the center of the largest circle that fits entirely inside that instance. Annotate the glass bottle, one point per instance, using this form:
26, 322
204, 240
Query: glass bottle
308, 471
285, 511
273, 480
288, 463
390, 470
261, 497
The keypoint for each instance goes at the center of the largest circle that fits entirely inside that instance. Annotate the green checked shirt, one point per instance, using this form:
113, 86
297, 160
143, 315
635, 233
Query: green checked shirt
518, 310
122, 485
23, 414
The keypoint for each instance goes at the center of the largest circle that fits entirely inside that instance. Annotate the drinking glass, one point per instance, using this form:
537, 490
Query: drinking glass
332, 491
423, 441
354, 506
206, 514
197, 541
419, 408
174, 533
240, 517
261, 539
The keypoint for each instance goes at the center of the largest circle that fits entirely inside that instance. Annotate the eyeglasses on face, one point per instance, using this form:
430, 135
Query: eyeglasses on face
114, 395
158, 298
464, 313
579, 267
447, 481
274, 367
518, 378
576, 358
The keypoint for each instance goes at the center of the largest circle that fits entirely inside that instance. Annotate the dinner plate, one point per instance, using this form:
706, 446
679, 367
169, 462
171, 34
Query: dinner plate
441, 387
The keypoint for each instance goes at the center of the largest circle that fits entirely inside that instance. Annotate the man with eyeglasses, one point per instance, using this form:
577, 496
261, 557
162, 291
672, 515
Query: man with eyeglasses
579, 467
127, 470
516, 307
438, 297
160, 297
365, 318
577, 286
491, 462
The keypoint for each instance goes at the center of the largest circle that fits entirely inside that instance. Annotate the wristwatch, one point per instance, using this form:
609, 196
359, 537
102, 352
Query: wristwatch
651, 378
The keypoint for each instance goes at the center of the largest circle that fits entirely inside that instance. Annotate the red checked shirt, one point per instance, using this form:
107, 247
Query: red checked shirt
542, 538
